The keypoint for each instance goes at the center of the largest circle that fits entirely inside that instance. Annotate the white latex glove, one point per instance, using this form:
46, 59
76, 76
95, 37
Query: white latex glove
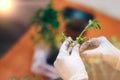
102, 48
39, 65
68, 64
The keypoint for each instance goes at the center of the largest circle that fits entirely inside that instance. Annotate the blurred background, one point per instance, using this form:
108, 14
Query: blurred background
19, 19
15, 15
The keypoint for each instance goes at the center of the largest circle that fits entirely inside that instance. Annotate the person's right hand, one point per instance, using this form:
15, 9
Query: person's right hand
69, 64
102, 48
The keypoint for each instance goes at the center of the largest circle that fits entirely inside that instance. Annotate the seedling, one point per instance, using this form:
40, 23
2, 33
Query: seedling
92, 24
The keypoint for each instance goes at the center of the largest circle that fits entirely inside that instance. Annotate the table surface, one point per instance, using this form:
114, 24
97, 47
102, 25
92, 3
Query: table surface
17, 61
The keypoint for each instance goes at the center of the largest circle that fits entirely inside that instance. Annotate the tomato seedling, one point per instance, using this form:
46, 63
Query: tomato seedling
92, 24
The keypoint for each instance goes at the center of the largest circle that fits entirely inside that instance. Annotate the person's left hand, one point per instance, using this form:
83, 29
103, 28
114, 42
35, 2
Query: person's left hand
68, 64
101, 48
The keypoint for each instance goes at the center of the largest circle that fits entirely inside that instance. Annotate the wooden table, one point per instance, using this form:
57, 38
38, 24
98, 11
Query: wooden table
17, 61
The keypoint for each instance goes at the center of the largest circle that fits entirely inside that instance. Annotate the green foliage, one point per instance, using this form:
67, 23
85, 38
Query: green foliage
92, 24
47, 18
36, 17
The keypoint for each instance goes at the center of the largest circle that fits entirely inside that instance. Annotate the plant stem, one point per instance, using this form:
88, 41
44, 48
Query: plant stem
83, 31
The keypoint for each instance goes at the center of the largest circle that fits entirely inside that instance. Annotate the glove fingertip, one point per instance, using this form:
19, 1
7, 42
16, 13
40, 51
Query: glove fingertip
76, 47
91, 53
69, 38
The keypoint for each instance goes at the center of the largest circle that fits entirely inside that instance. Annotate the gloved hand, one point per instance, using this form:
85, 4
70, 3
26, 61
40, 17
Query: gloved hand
102, 48
68, 64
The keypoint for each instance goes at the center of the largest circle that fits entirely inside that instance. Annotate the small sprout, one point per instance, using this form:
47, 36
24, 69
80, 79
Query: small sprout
92, 24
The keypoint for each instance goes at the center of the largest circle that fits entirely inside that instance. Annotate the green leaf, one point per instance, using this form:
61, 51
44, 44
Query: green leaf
90, 26
95, 21
93, 24
98, 26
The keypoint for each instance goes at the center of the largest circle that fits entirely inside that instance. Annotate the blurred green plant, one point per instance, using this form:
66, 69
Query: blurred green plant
47, 18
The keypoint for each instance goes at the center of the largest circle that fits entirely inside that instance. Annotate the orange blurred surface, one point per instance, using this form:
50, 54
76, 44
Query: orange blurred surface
18, 59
